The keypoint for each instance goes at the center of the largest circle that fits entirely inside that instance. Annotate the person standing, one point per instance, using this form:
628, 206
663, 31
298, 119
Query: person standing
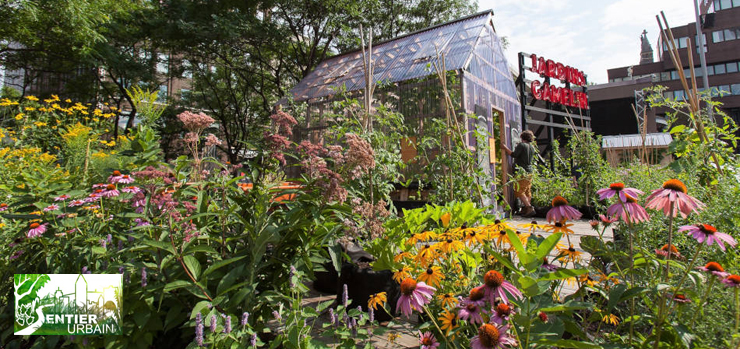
523, 155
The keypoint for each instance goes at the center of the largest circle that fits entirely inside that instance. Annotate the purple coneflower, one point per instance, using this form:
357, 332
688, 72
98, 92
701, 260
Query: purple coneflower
680, 298
708, 233
732, 281
673, 191
560, 210
414, 296
496, 285
110, 191
628, 207
715, 269
4, 207
471, 312
477, 295
427, 340
606, 221
491, 336
75, 203
549, 267
131, 189
61, 197
52, 207
618, 188
36, 230
501, 313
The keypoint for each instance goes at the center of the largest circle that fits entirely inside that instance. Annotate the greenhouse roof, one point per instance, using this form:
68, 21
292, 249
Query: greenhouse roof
653, 140
402, 58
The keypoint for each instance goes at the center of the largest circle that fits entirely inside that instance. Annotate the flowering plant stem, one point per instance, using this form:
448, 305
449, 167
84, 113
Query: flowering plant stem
663, 296
632, 267
702, 300
426, 310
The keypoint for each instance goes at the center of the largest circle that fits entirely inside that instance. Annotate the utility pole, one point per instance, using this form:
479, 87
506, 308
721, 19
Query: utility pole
702, 58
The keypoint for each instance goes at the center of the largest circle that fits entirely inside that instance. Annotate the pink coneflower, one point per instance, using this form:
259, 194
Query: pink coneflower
732, 281
3, 207
629, 207
36, 230
131, 189
715, 269
618, 188
560, 210
663, 252
673, 191
708, 233
51, 208
477, 296
681, 299
607, 220
427, 340
492, 337
61, 197
496, 285
125, 179
549, 267
471, 312
501, 313
75, 203
413, 296
110, 191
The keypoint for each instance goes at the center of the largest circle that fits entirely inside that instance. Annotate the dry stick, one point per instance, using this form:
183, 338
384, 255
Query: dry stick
693, 102
367, 62
450, 111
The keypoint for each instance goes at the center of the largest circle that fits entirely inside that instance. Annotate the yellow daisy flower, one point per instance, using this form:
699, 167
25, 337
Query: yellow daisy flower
532, 226
445, 219
401, 274
432, 276
569, 254
376, 300
449, 321
401, 256
447, 300
450, 245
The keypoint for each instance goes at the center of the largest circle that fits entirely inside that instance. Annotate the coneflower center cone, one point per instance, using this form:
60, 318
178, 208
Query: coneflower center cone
714, 266
493, 279
675, 184
559, 201
489, 335
503, 309
477, 294
616, 186
408, 286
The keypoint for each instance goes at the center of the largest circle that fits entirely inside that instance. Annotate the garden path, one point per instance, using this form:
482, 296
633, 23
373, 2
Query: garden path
408, 338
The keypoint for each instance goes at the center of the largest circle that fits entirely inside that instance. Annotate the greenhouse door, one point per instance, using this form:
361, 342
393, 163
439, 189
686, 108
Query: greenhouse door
484, 158
498, 158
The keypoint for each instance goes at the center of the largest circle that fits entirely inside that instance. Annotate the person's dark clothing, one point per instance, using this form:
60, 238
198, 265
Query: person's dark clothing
523, 155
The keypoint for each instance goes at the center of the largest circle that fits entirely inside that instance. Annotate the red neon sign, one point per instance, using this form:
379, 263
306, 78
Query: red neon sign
566, 74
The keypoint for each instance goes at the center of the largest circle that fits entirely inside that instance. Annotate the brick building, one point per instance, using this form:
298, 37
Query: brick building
611, 103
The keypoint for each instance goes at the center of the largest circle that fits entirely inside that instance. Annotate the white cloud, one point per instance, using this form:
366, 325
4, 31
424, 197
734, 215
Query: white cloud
590, 35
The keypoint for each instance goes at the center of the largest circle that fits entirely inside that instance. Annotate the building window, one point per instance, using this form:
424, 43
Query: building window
162, 67
730, 34
668, 94
719, 69
679, 95
187, 69
735, 3
731, 67
718, 36
710, 70
674, 75
665, 76
162, 95
735, 89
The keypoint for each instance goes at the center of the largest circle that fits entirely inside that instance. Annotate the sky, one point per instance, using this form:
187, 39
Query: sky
590, 35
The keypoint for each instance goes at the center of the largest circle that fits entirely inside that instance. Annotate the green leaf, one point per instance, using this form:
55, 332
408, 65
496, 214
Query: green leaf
160, 245
547, 245
567, 307
176, 284
615, 296
222, 263
198, 307
678, 129
563, 274
193, 265
503, 260
98, 250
